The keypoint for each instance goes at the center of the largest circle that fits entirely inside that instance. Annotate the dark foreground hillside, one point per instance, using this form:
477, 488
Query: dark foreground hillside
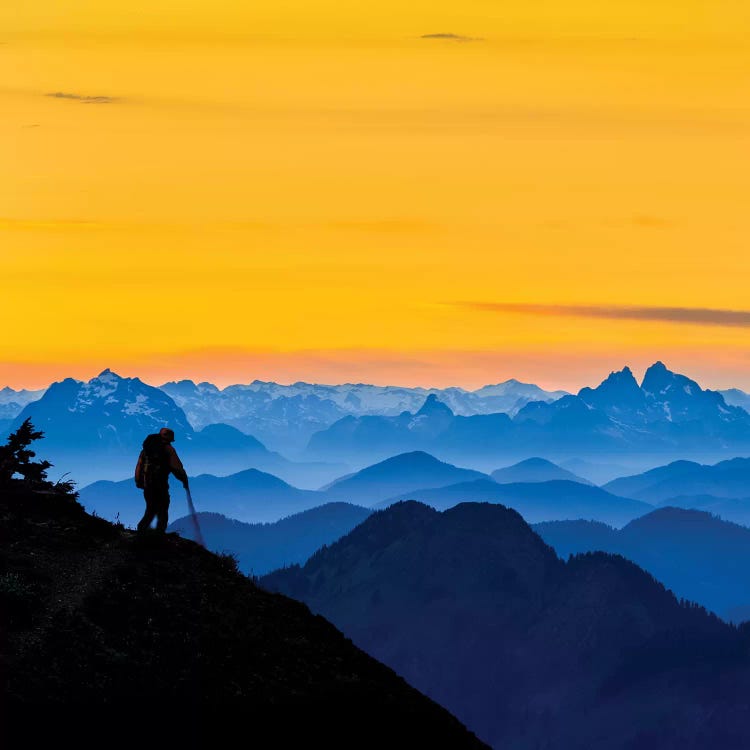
111, 639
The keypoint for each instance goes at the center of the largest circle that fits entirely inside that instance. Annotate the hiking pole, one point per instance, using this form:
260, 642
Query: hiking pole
194, 517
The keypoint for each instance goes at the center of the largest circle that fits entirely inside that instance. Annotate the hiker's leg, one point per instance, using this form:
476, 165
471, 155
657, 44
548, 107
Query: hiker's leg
150, 513
162, 512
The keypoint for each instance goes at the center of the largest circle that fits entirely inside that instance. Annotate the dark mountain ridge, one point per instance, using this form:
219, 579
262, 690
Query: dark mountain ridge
698, 556
115, 639
536, 501
262, 547
530, 651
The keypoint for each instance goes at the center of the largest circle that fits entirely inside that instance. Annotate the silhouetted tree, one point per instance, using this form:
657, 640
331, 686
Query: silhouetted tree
16, 457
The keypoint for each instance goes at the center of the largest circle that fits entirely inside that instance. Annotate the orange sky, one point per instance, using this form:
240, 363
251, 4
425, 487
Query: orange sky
318, 191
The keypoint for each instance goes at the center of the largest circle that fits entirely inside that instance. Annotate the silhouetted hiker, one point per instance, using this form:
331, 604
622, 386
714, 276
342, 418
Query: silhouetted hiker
157, 460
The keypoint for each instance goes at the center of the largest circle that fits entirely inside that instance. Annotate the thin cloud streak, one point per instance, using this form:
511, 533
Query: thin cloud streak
687, 315
451, 37
81, 98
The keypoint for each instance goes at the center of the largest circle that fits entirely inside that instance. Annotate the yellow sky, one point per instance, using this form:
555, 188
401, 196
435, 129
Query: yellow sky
322, 191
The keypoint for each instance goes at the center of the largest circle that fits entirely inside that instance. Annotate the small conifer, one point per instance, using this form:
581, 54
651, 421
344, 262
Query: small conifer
17, 458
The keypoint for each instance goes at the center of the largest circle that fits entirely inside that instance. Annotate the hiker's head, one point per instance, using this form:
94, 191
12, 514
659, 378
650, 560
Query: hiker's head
167, 434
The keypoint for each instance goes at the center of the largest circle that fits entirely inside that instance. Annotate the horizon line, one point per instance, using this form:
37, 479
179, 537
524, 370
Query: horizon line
221, 387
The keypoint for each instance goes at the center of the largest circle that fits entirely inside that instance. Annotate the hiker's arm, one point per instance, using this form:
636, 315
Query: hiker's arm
176, 467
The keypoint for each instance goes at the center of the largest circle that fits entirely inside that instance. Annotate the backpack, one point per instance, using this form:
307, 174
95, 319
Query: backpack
155, 459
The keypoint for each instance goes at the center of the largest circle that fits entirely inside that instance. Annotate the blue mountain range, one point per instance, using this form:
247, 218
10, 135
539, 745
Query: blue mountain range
94, 429
666, 415
696, 555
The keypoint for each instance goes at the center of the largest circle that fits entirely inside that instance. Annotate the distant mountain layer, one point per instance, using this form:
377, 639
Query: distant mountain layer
12, 402
474, 609
115, 640
727, 479
310, 435
263, 547
284, 416
254, 496
599, 472
403, 473
736, 397
666, 415
698, 556
95, 429
733, 509
535, 501
251, 496
535, 470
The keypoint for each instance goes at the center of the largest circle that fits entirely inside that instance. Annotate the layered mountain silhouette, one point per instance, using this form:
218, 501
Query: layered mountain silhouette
119, 640
597, 472
736, 397
285, 416
12, 402
474, 609
535, 501
433, 428
96, 428
698, 556
725, 479
283, 420
396, 475
262, 547
252, 496
535, 470
667, 414
736, 510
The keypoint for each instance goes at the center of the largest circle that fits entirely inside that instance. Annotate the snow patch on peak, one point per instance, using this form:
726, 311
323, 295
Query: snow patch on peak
141, 405
97, 388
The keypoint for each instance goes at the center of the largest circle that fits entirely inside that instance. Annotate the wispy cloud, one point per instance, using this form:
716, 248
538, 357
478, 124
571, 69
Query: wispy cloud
451, 37
690, 315
81, 98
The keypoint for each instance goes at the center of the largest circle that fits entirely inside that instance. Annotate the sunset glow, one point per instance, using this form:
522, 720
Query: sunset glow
447, 194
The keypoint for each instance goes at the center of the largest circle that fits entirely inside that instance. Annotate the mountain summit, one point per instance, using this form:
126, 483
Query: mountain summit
472, 607
619, 391
402, 473
433, 406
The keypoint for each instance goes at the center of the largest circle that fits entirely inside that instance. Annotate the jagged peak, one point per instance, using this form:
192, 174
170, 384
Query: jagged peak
433, 405
617, 378
658, 370
658, 379
107, 374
